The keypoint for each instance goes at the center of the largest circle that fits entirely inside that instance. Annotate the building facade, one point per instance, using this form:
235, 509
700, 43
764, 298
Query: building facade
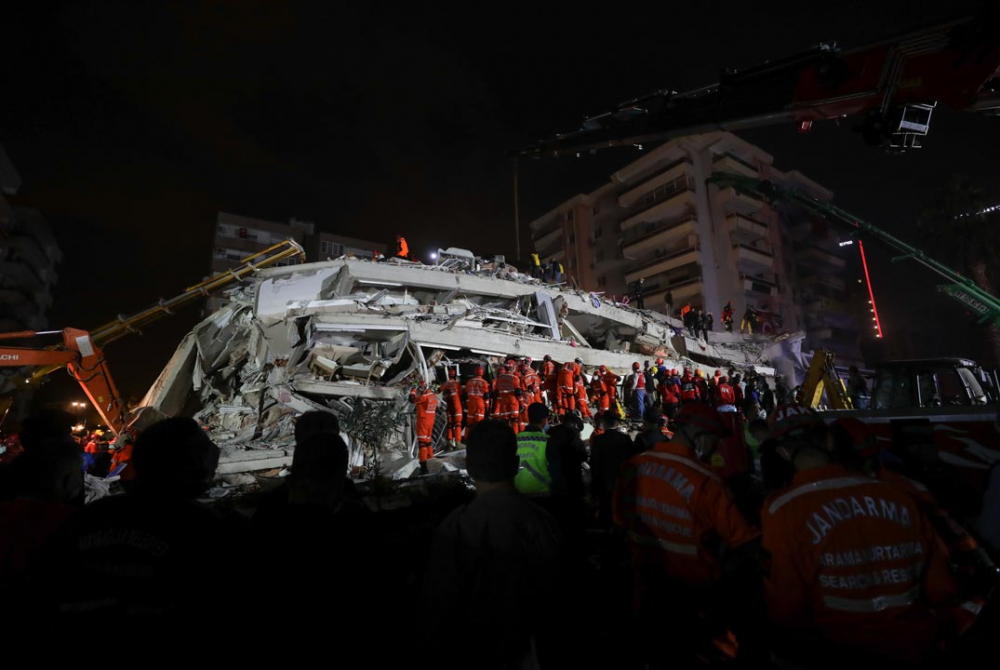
657, 219
237, 237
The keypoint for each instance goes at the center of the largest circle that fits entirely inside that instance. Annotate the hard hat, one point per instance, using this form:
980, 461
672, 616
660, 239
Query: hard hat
527, 359
701, 417
479, 370
787, 420
718, 373
602, 369
674, 372
547, 358
578, 361
659, 361
452, 373
698, 373
635, 366
422, 385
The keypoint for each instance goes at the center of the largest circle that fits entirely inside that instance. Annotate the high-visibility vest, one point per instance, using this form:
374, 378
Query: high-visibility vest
535, 261
533, 475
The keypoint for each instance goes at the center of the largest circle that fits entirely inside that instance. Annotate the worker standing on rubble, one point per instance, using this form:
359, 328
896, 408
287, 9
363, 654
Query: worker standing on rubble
689, 389
600, 393
699, 381
451, 391
749, 320
549, 377
530, 390
667, 392
852, 566
610, 380
425, 402
637, 390
476, 391
402, 248
580, 392
727, 317
507, 390
725, 396
565, 391
536, 266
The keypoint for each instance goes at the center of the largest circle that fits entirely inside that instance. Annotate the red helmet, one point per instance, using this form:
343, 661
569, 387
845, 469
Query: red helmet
636, 366
452, 373
718, 373
701, 417
788, 419
659, 361
479, 370
422, 384
527, 360
509, 364
674, 372
603, 369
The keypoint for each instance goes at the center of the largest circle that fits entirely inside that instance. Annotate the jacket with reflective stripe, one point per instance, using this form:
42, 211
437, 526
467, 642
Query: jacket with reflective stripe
533, 475
671, 503
854, 560
476, 387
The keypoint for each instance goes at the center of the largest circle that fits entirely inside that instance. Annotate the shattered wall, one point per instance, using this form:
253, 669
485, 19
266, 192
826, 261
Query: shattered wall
322, 335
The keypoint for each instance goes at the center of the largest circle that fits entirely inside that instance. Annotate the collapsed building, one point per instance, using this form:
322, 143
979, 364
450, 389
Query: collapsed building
349, 334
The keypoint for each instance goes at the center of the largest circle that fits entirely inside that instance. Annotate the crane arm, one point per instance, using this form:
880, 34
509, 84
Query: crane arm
960, 288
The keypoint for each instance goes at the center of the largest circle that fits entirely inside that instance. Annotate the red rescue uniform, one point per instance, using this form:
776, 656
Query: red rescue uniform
506, 409
853, 561
549, 377
610, 380
565, 391
600, 393
581, 398
689, 389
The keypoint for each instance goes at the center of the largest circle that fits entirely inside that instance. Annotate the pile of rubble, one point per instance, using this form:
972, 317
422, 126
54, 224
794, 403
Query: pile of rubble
342, 334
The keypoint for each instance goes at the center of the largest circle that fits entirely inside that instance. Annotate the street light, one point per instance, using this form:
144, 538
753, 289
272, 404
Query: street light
434, 255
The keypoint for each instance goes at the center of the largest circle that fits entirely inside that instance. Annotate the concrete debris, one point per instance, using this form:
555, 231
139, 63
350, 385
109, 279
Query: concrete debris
327, 336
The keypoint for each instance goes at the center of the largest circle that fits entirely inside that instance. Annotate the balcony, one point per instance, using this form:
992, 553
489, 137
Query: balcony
738, 202
752, 258
648, 236
681, 291
670, 200
546, 233
814, 254
658, 264
760, 286
809, 274
676, 170
734, 165
744, 230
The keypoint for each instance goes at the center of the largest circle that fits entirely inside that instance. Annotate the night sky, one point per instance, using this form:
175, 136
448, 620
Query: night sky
133, 123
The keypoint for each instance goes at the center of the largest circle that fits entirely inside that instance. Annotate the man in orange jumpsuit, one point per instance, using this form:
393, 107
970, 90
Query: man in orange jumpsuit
549, 377
451, 391
852, 566
530, 390
476, 390
426, 404
402, 248
678, 515
506, 390
580, 392
565, 390
610, 380
600, 393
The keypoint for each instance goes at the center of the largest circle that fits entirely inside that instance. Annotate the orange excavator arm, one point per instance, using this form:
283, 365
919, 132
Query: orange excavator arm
85, 362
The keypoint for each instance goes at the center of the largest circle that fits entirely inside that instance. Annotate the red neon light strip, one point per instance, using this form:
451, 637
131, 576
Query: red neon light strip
871, 295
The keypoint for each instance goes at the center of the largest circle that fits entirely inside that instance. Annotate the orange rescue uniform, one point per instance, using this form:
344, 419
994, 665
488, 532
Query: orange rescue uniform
476, 390
565, 390
426, 404
853, 561
581, 398
506, 408
451, 390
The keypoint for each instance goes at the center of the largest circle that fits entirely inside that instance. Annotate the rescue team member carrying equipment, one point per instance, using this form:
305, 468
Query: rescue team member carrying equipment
451, 390
426, 403
476, 390
851, 564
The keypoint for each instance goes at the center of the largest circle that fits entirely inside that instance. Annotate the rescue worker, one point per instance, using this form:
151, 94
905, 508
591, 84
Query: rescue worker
507, 390
725, 395
699, 380
637, 390
425, 402
749, 320
565, 391
667, 392
640, 302
600, 393
852, 566
580, 394
727, 317
610, 380
549, 377
689, 390
531, 391
123, 445
402, 248
678, 516
668, 303
451, 391
476, 391
536, 266
533, 477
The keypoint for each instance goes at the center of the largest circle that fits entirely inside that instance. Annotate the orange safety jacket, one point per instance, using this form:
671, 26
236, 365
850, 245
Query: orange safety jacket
855, 561
676, 512
451, 390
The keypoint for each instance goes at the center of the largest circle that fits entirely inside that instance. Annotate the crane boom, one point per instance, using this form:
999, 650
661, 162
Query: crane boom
960, 287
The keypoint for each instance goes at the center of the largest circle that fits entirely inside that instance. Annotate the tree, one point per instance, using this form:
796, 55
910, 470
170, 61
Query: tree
372, 423
961, 225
